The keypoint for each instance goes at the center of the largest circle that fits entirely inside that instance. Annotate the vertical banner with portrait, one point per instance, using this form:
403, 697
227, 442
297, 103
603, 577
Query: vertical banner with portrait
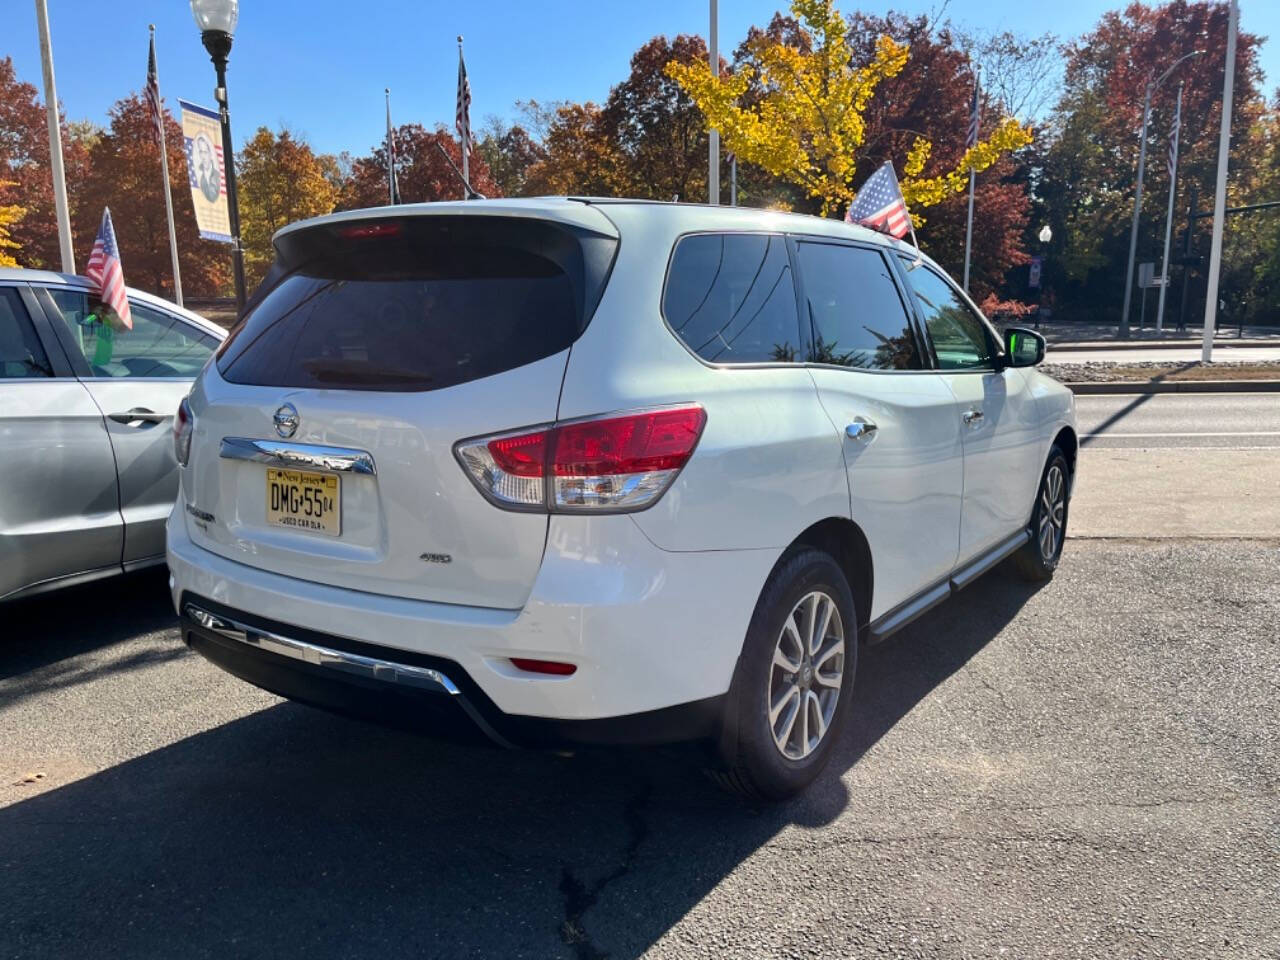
202, 138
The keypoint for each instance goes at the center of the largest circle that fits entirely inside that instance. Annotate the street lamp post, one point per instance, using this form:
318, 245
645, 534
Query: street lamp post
1045, 235
1152, 85
217, 22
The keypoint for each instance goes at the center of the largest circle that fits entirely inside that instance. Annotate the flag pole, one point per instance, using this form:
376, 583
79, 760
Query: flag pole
168, 195
465, 137
55, 140
971, 141
1168, 221
968, 233
1220, 191
391, 157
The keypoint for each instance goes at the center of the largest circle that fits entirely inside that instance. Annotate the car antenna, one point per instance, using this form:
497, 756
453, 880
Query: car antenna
472, 194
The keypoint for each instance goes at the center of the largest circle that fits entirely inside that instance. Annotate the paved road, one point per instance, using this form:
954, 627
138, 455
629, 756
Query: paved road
1144, 421
1087, 769
1221, 354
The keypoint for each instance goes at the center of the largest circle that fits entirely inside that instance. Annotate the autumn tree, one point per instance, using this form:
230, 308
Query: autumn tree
9, 215
280, 180
578, 158
1088, 175
421, 172
931, 99
654, 126
509, 151
124, 174
25, 169
809, 126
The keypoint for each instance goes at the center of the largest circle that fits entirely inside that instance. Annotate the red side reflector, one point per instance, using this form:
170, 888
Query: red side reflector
364, 230
553, 667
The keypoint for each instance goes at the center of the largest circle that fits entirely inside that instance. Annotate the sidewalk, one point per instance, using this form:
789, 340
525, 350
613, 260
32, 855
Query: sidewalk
1105, 335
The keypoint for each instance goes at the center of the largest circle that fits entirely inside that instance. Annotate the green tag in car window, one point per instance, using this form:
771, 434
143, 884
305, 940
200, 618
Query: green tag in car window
106, 342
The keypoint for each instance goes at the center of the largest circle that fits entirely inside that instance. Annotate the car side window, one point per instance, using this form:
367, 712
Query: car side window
960, 338
21, 355
856, 316
159, 345
731, 298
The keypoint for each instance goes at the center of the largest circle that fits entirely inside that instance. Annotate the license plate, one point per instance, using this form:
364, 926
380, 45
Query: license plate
301, 500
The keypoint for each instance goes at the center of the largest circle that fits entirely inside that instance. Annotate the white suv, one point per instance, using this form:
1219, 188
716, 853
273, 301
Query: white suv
598, 470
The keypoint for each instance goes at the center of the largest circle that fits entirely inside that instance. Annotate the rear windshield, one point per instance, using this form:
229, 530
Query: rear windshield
412, 306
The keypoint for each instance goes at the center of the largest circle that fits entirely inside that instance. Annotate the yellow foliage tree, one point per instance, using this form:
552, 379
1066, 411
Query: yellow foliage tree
9, 215
808, 125
280, 181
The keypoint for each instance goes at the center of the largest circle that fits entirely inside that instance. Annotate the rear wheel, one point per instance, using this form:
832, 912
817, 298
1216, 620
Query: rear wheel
1038, 558
793, 684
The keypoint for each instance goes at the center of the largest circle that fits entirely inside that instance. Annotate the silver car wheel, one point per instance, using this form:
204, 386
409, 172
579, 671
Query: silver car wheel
1053, 512
806, 675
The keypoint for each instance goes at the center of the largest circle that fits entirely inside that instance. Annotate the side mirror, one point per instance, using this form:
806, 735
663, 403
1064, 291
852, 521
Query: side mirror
1023, 347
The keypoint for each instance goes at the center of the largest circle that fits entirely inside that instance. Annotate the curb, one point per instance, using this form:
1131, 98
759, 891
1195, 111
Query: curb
1086, 345
1175, 386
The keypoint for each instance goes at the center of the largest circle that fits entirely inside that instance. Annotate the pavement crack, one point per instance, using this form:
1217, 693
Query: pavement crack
580, 896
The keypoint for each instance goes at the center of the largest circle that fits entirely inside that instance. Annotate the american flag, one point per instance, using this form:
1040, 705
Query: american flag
106, 274
153, 95
879, 204
1173, 141
975, 116
462, 120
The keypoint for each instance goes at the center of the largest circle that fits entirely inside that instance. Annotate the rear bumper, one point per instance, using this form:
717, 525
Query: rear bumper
647, 629
407, 690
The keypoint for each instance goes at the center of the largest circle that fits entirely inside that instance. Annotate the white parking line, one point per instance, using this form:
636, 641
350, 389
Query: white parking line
1152, 436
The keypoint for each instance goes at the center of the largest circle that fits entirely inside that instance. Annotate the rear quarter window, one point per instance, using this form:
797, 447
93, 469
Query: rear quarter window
730, 298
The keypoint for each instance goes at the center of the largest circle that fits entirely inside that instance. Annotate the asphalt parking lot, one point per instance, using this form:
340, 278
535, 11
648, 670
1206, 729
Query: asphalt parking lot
1086, 769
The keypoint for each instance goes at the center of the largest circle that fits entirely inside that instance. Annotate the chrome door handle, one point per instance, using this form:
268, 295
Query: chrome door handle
138, 414
861, 429
972, 416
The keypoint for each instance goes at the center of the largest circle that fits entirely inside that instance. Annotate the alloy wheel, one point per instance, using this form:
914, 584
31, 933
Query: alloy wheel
806, 675
1053, 512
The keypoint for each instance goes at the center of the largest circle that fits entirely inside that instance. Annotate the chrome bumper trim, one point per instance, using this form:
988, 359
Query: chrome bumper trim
354, 663
279, 454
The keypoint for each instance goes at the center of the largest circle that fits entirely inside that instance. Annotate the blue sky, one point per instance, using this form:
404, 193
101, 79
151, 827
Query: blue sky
321, 67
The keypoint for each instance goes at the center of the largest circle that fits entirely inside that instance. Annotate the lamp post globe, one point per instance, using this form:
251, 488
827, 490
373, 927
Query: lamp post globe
1046, 234
216, 16
217, 22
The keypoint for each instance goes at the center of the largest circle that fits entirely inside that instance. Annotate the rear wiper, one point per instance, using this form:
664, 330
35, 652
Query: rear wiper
360, 371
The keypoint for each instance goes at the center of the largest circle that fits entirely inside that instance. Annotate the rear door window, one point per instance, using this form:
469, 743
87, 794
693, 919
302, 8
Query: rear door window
417, 306
856, 315
731, 298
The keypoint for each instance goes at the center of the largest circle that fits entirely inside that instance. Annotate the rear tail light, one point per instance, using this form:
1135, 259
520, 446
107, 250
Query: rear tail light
601, 465
183, 425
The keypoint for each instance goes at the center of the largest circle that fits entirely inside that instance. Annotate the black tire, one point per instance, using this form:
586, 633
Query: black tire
751, 762
1033, 562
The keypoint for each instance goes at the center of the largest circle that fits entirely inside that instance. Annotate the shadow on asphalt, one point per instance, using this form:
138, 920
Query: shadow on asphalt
293, 833
50, 627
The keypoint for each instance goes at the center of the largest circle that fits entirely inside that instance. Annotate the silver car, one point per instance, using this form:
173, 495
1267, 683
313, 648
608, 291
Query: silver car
87, 475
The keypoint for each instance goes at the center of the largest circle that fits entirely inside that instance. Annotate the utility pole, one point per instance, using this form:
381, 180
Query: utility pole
1137, 199
55, 141
1168, 220
1220, 194
1186, 258
713, 170
1137, 209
